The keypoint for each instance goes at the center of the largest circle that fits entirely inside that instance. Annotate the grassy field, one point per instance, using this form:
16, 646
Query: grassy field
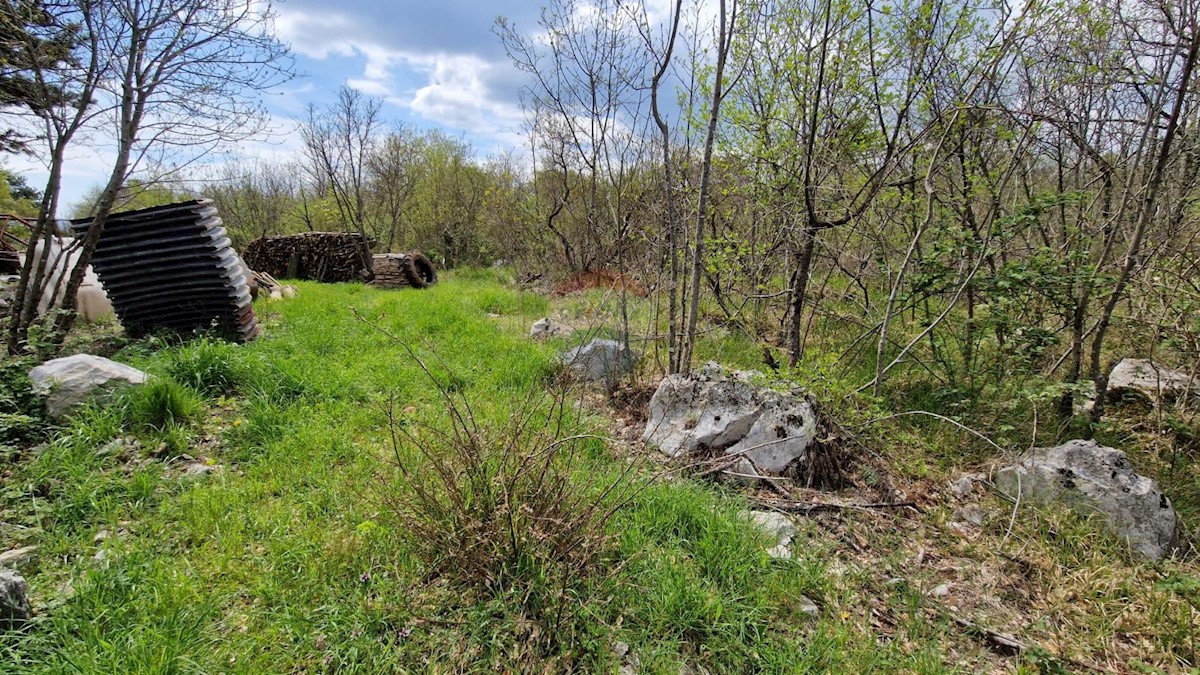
250, 513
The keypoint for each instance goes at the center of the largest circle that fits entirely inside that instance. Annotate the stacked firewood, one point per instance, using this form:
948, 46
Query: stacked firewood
11, 244
317, 256
396, 270
267, 286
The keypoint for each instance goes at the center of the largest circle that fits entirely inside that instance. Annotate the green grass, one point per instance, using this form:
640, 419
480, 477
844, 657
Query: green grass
291, 559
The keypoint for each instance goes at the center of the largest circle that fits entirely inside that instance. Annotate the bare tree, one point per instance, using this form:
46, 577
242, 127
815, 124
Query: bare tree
726, 26
393, 169
68, 105
339, 142
183, 77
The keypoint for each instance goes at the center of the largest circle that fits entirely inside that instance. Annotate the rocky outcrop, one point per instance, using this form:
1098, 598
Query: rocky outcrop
1095, 479
603, 361
714, 409
73, 380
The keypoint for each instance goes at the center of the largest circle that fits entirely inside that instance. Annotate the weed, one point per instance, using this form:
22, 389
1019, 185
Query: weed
162, 404
22, 415
497, 509
210, 366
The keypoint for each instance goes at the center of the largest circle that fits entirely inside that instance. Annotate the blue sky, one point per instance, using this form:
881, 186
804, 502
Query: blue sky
436, 64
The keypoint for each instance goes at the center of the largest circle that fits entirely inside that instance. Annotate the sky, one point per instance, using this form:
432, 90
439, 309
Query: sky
435, 63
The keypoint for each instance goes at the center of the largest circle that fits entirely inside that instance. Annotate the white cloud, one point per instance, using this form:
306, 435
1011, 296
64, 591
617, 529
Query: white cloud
452, 91
371, 87
457, 95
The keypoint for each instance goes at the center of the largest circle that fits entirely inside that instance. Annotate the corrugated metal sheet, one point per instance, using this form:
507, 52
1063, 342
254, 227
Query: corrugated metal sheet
173, 267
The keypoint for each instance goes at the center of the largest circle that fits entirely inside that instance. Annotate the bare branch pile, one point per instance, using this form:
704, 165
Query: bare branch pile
317, 256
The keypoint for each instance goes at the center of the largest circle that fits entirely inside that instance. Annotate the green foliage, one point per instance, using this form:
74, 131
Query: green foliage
22, 414
17, 197
162, 404
36, 39
210, 366
318, 553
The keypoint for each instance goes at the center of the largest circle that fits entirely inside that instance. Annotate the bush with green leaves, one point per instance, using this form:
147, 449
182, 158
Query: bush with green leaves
22, 413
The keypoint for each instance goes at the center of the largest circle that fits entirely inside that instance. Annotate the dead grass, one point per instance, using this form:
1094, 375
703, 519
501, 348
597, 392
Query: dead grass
603, 278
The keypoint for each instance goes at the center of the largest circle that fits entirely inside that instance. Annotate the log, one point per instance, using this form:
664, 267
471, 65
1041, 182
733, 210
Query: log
317, 256
397, 270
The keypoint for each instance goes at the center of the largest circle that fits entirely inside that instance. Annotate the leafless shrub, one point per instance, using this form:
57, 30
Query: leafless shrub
504, 509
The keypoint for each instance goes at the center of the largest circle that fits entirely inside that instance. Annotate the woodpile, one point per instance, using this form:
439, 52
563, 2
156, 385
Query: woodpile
11, 245
397, 270
268, 286
317, 256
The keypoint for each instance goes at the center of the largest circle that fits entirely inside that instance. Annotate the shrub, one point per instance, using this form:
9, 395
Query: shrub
162, 404
22, 414
498, 509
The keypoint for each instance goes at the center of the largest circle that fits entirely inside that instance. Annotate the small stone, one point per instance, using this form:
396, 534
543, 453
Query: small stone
114, 447
743, 472
809, 607
970, 514
198, 469
780, 552
14, 599
17, 557
963, 485
599, 361
942, 590
548, 328
620, 649
778, 526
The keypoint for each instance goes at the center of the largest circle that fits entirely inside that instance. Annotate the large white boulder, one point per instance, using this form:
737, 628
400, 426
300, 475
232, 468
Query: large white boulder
1155, 381
714, 409
72, 380
1092, 478
599, 361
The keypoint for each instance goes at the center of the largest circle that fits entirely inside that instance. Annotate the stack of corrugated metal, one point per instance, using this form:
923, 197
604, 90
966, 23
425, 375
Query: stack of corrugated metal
174, 268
